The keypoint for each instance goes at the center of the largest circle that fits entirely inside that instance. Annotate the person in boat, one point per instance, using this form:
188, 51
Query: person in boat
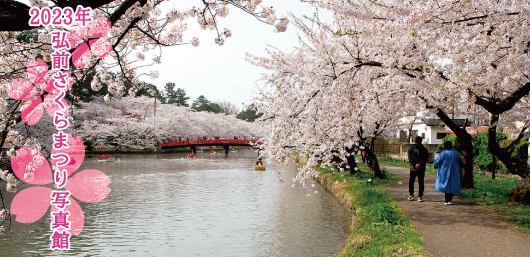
259, 162
191, 155
107, 157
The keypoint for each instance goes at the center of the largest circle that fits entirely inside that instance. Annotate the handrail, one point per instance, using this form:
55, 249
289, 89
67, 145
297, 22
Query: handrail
198, 142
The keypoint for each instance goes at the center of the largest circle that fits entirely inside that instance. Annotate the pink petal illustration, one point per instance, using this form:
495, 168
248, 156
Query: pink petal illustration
99, 27
89, 186
31, 167
76, 217
31, 204
38, 72
76, 151
81, 56
76, 36
20, 89
51, 106
32, 111
100, 48
51, 86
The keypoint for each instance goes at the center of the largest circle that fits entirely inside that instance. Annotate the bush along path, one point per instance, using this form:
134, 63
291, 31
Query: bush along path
379, 226
456, 230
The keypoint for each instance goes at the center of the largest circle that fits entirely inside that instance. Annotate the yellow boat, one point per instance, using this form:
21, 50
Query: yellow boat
259, 168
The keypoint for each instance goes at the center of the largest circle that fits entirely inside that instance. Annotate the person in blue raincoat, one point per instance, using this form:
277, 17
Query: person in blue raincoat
448, 177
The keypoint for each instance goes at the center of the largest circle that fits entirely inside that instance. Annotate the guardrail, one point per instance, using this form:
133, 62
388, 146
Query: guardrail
199, 142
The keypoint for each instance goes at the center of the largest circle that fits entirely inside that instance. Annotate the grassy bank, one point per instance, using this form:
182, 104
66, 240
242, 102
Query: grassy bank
489, 195
492, 196
380, 227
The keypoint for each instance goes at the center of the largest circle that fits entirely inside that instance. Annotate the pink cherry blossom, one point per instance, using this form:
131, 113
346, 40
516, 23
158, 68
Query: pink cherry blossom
32, 203
93, 42
32, 91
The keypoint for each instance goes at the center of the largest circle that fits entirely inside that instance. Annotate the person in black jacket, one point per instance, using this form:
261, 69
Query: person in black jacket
418, 157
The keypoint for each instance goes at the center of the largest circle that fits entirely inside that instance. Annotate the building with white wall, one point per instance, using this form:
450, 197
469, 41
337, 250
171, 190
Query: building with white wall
430, 129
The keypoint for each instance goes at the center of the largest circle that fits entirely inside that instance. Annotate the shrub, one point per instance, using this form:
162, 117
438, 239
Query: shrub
520, 152
483, 157
448, 137
521, 149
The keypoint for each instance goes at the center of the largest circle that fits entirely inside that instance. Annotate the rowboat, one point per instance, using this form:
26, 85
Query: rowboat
111, 159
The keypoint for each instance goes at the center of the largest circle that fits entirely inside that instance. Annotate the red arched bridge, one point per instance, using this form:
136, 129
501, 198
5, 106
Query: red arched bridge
193, 144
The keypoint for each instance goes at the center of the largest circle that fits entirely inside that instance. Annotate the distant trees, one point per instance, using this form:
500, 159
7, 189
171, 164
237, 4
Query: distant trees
250, 114
129, 122
177, 97
201, 104
180, 98
228, 107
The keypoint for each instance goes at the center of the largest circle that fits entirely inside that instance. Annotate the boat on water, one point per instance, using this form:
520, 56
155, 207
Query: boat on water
259, 168
111, 159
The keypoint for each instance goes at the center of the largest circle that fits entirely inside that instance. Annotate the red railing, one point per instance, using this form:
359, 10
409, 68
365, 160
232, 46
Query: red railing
197, 142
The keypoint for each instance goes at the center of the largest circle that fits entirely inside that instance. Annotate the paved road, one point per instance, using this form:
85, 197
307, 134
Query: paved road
456, 230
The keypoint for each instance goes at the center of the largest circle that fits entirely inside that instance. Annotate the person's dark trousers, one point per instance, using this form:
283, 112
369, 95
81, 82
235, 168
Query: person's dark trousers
448, 197
421, 180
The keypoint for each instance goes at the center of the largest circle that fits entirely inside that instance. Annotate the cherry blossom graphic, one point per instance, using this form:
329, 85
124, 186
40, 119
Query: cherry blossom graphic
87, 39
31, 166
33, 91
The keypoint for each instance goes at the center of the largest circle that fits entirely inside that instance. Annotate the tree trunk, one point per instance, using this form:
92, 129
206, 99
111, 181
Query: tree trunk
466, 153
464, 147
89, 145
514, 165
373, 164
521, 193
351, 161
338, 162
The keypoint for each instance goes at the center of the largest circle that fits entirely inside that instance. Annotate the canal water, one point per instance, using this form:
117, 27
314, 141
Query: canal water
214, 205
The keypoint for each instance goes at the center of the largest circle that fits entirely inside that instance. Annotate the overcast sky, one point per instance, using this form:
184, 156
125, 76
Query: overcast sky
221, 72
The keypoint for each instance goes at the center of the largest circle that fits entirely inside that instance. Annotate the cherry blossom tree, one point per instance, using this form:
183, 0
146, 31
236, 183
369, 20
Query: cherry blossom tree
488, 44
130, 123
129, 28
134, 27
453, 55
390, 42
321, 102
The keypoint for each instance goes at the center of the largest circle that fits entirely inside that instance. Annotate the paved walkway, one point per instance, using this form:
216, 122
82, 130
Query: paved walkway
456, 230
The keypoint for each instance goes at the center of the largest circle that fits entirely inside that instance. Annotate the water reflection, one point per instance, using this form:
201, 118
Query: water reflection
214, 205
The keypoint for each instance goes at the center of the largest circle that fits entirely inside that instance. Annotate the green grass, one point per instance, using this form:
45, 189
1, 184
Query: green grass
492, 196
381, 226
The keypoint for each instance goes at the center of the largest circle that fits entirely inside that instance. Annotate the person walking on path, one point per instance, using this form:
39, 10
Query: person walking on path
418, 157
448, 177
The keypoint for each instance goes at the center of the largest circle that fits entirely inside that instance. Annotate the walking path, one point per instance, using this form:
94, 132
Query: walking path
456, 230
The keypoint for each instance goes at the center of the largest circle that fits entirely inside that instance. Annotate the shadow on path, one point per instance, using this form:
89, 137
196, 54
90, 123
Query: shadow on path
459, 229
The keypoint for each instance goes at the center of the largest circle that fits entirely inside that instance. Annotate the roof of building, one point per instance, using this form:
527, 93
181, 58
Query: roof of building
438, 122
470, 130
